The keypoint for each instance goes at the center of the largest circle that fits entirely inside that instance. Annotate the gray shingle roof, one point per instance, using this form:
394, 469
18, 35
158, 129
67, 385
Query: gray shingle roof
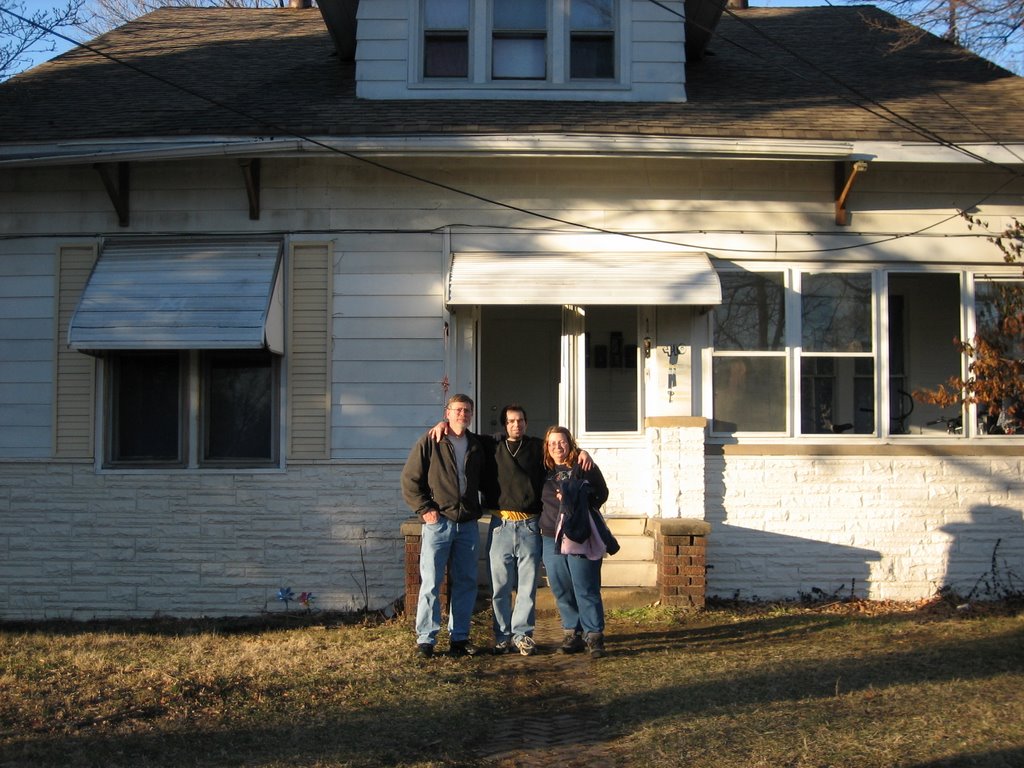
255, 72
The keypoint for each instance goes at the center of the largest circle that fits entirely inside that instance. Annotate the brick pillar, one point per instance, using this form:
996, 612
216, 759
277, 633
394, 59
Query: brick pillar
412, 532
680, 547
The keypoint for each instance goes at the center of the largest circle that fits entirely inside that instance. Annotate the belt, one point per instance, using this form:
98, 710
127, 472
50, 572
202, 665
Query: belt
513, 517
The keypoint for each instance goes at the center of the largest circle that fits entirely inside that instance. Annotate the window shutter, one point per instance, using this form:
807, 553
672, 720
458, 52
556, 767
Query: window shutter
74, 373
309, 352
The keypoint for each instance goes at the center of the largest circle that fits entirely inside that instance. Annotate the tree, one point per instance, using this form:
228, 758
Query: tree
991, 28
24, 34
104, 15
995, 371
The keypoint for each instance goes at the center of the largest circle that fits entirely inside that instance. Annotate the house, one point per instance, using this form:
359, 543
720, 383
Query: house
245, 254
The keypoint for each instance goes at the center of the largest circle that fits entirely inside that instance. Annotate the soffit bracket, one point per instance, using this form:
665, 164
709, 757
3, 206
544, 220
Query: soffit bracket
251, 174
117, 181
846, 174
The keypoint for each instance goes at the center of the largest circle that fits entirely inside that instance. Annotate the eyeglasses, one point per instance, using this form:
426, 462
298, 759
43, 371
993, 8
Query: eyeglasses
453, 409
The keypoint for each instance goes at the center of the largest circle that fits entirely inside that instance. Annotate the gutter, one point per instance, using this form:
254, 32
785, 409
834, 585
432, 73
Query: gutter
497, 145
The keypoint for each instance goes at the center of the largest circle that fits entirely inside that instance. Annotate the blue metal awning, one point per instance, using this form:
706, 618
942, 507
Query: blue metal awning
146, 294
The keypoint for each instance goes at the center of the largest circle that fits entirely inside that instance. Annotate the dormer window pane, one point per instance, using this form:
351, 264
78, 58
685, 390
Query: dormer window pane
519, 58
446, 55
592, 15
520, 14
446, 14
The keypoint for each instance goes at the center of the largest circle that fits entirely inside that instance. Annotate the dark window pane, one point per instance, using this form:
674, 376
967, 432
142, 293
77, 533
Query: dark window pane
836, 312
146, 408
752, 315
749, 394
592, 57
239, 407
446, 55
837, 395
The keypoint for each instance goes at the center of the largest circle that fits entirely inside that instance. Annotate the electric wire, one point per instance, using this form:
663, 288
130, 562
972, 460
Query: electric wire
281, 129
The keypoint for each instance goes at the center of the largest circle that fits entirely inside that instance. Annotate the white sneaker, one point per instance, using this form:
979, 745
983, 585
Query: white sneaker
526, 645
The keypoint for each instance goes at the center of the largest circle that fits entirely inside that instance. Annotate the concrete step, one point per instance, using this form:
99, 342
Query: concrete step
614, 598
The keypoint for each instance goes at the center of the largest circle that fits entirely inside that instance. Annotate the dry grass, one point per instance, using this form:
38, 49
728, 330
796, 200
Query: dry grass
737, 686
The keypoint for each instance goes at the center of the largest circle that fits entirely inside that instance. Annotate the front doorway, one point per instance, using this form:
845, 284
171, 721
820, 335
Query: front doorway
520, 354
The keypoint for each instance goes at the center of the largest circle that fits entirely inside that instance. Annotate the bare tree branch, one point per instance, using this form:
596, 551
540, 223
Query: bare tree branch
24, 33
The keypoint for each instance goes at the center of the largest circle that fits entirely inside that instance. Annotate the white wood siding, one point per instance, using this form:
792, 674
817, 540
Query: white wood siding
389, 329
26, 350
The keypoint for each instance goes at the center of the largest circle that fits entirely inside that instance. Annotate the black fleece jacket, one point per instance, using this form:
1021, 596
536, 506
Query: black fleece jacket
513, 483
430, 479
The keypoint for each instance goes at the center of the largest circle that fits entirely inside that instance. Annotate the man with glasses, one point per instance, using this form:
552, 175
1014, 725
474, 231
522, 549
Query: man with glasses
441, 484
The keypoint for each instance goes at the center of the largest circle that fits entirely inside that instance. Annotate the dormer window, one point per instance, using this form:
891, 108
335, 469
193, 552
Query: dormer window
446, 38
497, 42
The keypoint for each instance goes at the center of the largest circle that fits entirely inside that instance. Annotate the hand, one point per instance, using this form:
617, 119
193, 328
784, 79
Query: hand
585, 462
431, 517
439, 430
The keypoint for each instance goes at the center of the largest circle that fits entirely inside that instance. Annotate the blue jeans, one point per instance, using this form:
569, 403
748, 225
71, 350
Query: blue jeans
452, 545
576, 584
514, 551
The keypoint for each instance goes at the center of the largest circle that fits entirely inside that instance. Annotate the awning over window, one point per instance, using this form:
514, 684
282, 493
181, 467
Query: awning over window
676, 277
186, 294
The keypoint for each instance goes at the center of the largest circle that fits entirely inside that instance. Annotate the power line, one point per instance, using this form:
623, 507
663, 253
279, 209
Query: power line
280, 129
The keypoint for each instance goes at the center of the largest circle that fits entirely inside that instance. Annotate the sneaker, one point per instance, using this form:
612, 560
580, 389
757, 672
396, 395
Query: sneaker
425, 650
526, 645
459, 648
595, 642
502, 647
572, 642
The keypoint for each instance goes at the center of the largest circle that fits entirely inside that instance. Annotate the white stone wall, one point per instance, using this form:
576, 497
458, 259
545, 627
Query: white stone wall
886, 527
135, 545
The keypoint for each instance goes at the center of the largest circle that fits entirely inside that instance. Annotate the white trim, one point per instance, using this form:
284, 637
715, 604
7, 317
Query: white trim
503, 145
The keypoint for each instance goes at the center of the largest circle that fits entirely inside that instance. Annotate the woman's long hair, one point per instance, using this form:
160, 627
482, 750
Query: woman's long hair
574, 450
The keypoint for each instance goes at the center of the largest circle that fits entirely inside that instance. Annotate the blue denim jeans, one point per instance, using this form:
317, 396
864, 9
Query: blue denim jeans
514, 552
452, 545
576, 585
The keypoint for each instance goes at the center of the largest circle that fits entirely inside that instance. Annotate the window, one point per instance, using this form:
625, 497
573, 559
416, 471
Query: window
446, 38
837, 371
498, 41
999, 312
834, 353
612, 376
157, 400
591, 39
749, 364
519, 43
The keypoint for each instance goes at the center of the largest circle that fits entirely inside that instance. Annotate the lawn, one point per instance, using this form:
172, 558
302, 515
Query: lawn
849, 684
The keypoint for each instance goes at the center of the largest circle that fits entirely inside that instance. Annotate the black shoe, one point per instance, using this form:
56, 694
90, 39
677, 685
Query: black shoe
462, 648
425, 650
572, 642
595, 642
